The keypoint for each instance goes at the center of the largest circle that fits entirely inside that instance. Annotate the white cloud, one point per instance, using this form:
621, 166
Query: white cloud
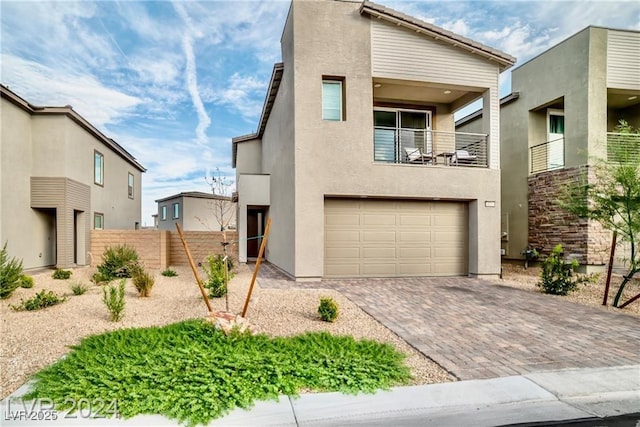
191, 75
243, 93
459, 26
43, 85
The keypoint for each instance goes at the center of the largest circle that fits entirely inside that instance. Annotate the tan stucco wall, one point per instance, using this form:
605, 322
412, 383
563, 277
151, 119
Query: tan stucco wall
56, 146
336, 158
254, 190
249, 157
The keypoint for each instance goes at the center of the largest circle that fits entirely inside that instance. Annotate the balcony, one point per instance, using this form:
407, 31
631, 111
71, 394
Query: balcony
547, 156
623, 147
429, 147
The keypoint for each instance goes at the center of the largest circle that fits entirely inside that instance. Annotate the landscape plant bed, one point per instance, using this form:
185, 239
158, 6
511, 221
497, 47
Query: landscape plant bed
33, 340
515, 275
191, 372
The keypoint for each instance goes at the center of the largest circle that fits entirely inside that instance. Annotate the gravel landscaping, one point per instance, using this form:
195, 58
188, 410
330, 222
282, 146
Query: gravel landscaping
32, 340
515, 275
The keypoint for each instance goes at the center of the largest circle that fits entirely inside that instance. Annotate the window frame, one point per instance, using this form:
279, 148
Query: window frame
130, 185
334, 80
101, 216
163, 213
175, 210
98, 155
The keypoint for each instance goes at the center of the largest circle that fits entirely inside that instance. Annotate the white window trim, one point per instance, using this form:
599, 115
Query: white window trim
340, 83
101, 181
101, 216
173, 208
163, 213
130, 185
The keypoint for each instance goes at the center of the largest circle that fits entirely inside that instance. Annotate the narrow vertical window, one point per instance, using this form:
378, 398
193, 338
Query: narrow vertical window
130, 186
332, 100
176, 210
98, 221
163, 213
98, 168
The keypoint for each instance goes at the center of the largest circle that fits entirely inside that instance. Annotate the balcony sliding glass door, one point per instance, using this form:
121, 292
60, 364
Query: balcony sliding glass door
395, 130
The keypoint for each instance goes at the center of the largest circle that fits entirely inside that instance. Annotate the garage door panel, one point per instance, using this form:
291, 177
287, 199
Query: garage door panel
379, 269
415, 269
342, 236
384, 253
376, 238
342, 270
413, 253
413, 237
343, 253
413, 220
343, 219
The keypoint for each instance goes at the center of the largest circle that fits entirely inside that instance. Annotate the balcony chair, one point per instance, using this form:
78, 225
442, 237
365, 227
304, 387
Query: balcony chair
414, 155
462, 157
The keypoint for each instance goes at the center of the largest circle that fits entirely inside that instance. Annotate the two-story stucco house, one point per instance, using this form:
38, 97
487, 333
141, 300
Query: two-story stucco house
356, 160
60, 178
560, 117
196, 211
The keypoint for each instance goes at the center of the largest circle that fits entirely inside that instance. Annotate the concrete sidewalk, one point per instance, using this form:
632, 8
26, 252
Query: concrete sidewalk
545, 397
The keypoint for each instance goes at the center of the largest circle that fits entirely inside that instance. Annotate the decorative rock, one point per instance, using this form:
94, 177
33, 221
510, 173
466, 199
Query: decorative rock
228, 322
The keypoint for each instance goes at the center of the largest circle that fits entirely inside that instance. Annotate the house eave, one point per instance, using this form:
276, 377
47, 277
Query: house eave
503, 59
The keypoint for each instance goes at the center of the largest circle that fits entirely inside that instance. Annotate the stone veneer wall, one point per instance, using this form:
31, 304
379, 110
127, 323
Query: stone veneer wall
549, 224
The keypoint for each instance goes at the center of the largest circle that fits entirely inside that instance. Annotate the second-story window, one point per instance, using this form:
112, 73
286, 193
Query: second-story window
163, 213
98, 168
332, 99
130, 185
176, 210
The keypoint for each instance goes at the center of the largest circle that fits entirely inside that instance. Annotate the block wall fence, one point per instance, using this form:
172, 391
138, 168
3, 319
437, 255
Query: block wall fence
161, 249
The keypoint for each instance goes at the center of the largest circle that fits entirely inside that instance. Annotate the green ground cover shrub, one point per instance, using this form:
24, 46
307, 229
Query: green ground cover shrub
61, 274
26, 282
42, 299
10, 273
79, 288
169, 273
193, 373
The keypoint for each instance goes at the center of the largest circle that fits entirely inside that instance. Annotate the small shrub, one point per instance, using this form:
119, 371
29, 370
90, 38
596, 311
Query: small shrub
113, 298
61, 274
328, 309
79, 288
99, 279
42, 299
10, 273
557, 276
26, 282
169, 273
142, 280
214, 268
116, 262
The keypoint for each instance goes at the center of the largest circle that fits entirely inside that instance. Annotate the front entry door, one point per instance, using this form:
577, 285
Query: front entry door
255, 228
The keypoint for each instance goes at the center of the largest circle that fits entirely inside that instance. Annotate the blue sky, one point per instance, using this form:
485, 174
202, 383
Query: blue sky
173, 82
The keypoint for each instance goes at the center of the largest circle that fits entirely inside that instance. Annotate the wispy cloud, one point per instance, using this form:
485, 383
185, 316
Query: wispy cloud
243, 93
191, 75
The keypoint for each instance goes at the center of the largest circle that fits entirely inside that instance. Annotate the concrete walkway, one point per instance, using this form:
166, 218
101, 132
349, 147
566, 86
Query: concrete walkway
541, 399
477, 330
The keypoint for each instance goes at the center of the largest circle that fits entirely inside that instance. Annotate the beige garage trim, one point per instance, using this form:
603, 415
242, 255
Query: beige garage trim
392, 238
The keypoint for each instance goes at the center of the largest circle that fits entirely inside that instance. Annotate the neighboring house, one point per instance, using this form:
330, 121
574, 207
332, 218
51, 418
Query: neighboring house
561, 115
356, 160
60, 178
196, 211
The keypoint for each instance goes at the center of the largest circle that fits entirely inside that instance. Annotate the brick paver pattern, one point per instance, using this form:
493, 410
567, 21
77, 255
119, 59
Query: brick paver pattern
476, 329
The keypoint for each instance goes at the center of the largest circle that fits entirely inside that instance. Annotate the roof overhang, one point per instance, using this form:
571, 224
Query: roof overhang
272, 91
504, 60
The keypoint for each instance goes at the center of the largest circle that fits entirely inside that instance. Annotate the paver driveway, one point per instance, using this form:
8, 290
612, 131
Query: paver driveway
476, 329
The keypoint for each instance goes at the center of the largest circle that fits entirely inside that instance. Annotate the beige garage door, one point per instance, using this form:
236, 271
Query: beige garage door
378, 238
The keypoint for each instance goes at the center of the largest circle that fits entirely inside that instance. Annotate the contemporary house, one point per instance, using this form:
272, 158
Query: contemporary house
196, 211
60, 178
560, 117
356, 160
